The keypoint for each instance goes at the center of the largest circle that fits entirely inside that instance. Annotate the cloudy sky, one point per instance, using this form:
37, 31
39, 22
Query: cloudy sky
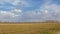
29, 10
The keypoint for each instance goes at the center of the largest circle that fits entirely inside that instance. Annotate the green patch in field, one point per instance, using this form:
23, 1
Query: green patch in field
46, 32
12, 33
3, 33
20, 30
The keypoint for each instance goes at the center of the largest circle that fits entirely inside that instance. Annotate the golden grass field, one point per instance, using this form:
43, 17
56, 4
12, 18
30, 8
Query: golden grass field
30, 28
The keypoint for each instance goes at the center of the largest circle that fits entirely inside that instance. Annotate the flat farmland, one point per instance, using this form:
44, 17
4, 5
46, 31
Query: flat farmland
30, 28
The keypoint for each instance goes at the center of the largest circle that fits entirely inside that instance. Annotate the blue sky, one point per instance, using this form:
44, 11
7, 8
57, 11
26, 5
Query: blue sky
29, 10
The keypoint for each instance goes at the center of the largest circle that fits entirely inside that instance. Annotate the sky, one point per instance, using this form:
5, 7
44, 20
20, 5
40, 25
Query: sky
29, 10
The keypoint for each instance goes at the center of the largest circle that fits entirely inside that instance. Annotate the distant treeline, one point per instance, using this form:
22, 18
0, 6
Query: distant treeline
48, 21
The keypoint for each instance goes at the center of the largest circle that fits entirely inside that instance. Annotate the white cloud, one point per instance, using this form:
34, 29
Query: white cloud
1, 12
17, 10
50, 10
11, 16
46, 11
18, 3
11, 13
7, 13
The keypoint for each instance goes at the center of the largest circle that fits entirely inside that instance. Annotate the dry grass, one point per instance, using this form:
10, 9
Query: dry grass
30, 28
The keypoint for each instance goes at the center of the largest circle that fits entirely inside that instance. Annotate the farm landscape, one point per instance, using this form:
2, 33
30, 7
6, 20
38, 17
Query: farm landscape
30, 28
29, 16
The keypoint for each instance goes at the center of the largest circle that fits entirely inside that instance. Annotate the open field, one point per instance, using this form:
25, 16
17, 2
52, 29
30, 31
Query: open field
30, 28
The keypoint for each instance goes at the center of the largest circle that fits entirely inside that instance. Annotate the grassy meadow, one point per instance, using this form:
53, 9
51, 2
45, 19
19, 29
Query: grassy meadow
30, 28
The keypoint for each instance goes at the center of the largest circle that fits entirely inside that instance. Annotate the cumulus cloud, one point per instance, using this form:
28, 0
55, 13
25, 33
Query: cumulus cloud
15, 3
20, 3
51, 10
10, 15
4, 13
